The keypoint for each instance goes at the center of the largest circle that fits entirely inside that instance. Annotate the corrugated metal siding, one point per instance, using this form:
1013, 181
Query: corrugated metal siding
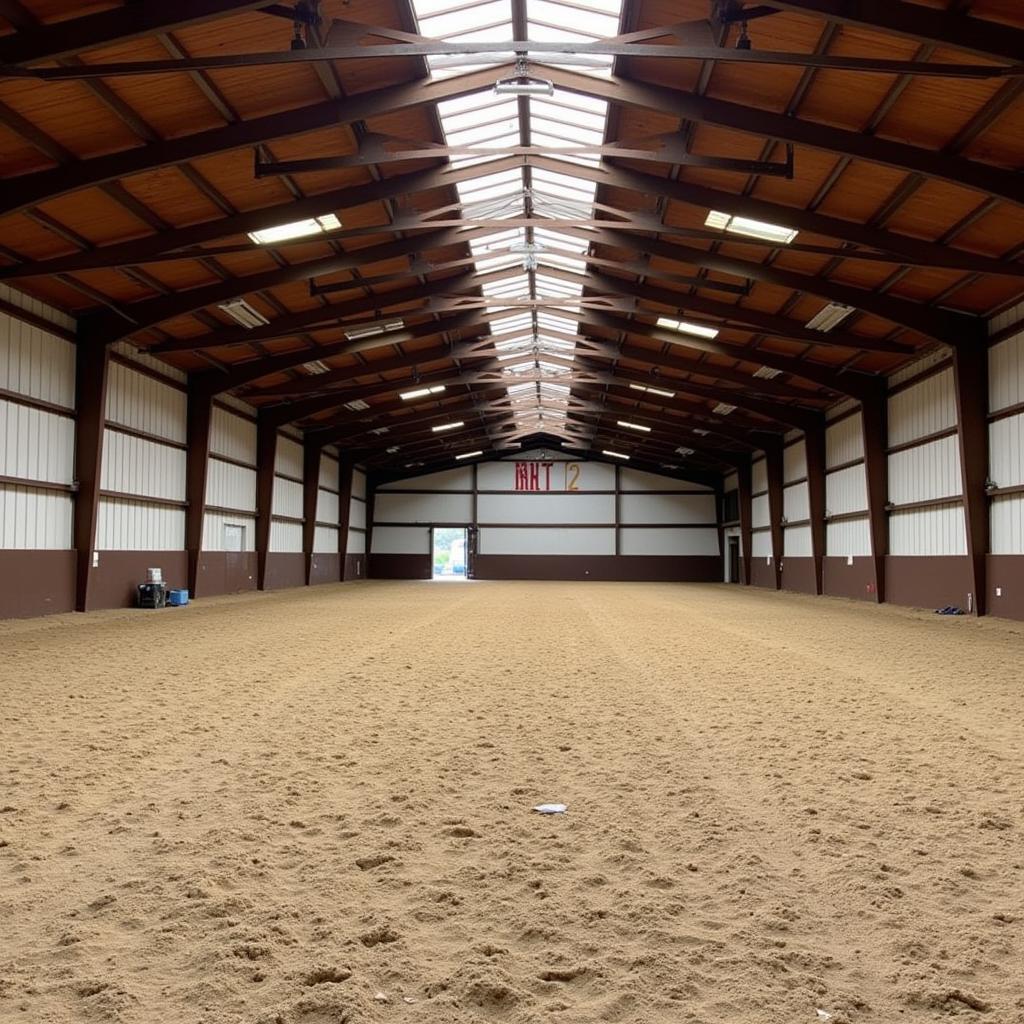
517, 541
423, 508
922, 409
34, 520
850, 537
39, 308
844, 441
759, 476
129, 351
401, 540
36, 445
730, 483
286, 537
230, 486
638, 480
35, 363
327, 507
794, 462
139, 526
356, 542
760, 513
133, 465
928, 531
213, 530
143, 403
846, 491
667, 508
1006, 373
544, 509
287, 498
797, 542
232, 436
289, 457
841, 408
359, 483
761, 544
911, 370
357, 514
325, 540
926, 472
796, 503
669, 542
329, 473
1006, 451
1008, 525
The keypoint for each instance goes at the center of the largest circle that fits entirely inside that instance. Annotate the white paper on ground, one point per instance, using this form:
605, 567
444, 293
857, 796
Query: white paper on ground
551, 808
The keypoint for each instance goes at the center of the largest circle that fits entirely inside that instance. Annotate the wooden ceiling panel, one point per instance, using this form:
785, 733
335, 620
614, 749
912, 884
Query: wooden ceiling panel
95, 216
172, 197
231, 174
935, 208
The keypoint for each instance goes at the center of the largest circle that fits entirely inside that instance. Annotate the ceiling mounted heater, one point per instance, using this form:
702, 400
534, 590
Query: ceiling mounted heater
242, 313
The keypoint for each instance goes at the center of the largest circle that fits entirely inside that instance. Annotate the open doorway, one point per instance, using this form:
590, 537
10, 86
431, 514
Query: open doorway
450, 554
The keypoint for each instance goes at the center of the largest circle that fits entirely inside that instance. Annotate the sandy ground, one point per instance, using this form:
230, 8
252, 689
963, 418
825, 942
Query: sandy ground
314, 807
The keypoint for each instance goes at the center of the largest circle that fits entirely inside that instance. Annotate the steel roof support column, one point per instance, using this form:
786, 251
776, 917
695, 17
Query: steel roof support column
311, 455
92, 366
774, 466
266, 455
814, 441
970, 376
200, 412
746, 502
346, 472
874, 417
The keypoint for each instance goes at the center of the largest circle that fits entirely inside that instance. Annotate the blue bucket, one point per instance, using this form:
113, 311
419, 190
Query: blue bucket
177, 598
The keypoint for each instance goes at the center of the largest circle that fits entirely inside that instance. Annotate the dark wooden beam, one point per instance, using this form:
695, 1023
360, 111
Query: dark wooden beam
774, 464
92, 364
989, 39
814, 441
311, 455
874, 412
346, 471
971, 382
200, 410
266, 457
746, 502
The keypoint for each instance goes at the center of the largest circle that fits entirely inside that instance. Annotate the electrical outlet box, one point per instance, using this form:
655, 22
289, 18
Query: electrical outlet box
999, 591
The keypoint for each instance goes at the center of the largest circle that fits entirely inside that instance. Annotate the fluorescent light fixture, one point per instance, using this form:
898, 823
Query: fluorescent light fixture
767, 373
751, 228
523, 87
653, 391
669, 465
701, 433
684, 327
831, 316
380, 430
723, 409
315, 367
242, 313
412, 465
297, 229
685, 452
634, 426
392, 449
468, 455
370, 330
614, 455
420, 392
357, 405
448, 426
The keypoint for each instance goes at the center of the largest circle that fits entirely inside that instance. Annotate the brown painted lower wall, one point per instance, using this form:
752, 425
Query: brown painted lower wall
325, 568
1006, 574
856, 581
225, 572
355, 567
762, 573
798, 575
36, 583
638, 568
400, 567
285, 569
115, 580
928, 581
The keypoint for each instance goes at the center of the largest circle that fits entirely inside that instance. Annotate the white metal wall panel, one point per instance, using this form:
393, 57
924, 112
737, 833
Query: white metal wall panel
922, 409
761, 544
401, 540
796, 503
358, 483
546, 508
794, 462
846, 491
925, 472
638, 480
796, 542
423, 508
130, 352
36, 445
759, 476
325, 540
326, 507
928, 531
731, 483
667, 508
460, 479
1006, 451
357, 514
287, 500
35, 363
36, 306
850, 537
213, 530
760, 512
144, 403
286, 537
668, 542
329, 473
230, 486
232, 436
513, 541
1006, 373
356, 542
1008, 524
289, 457
133, 465
139, 526
844, 441
35, 520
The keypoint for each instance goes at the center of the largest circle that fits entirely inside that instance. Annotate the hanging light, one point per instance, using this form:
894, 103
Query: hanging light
522, 83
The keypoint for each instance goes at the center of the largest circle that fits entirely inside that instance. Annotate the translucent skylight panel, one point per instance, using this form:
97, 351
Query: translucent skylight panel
488, 263
496, 113
563, 186
593, 22
557, 240
555, 259
556, 323
512, 323
444, 21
